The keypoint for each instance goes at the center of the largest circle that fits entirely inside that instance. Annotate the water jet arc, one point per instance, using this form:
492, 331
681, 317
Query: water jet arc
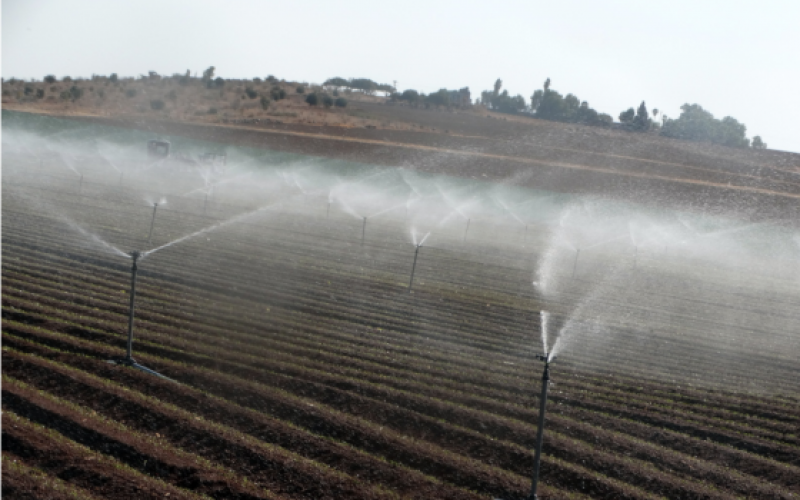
128, 359
537, 458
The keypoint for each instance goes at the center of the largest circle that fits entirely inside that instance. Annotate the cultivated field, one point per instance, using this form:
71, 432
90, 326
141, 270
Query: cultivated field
306, 368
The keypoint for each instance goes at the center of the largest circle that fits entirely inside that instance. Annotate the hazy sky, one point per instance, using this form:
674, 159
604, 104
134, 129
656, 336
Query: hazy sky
733, 58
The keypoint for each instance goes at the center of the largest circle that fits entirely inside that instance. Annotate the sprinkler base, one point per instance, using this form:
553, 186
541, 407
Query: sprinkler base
130, 362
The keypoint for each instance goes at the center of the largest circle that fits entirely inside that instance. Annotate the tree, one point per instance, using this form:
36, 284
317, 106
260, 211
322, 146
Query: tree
655, 112
113, 78
497, 86
697, 124
50, 79
642, 119
251, 92
536, 100
758, 143
327, 101
341, 102
208, 74
300, 89
626, 117
439, 98
547, 84
264, 102
312, 99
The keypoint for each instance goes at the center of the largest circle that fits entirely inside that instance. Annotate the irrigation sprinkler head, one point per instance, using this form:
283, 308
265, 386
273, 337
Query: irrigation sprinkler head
135, 254
547, 358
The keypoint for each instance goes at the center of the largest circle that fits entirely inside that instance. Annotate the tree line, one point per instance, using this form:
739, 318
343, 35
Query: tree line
693, 124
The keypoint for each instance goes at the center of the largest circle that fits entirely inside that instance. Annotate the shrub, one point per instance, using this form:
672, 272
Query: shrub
312, 99
171, 95
251, 93
257, 80
75, 92
53, 88
277, 93
50, 79
39, 93
113, 78
28, 90
130, 93
65, 79
271, 79
156, 104
327, 101
264, 102
65, 95
212, 111
336, 93
300, 89
101, 93
759, 143
219, 82
341, 102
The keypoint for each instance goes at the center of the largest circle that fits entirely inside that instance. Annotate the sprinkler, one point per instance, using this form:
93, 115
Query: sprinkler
466, 231
635, 255
328, 212
540, 433
575, 265
363, 231
413, 268
152, 223
128, 359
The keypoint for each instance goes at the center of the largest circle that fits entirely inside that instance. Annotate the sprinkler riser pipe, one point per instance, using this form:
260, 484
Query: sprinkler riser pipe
537, 458
152, 223
363, 231
134, 268
413, 269
466, 231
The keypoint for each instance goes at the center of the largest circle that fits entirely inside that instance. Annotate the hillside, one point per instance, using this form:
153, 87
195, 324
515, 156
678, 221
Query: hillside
473, 143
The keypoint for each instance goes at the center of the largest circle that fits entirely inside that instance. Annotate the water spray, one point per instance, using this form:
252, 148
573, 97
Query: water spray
152, 223
547, 359
328, 212
128, 359
466, 231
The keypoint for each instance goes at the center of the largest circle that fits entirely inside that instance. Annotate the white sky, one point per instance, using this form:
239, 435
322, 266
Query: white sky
732, 57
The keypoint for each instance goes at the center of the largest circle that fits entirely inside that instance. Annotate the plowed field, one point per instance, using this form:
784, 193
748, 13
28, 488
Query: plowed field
305, 368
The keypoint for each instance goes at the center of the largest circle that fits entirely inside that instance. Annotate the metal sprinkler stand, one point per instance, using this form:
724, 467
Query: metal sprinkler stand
540, 433
363, 231
128, 359
152, 223
413, 268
